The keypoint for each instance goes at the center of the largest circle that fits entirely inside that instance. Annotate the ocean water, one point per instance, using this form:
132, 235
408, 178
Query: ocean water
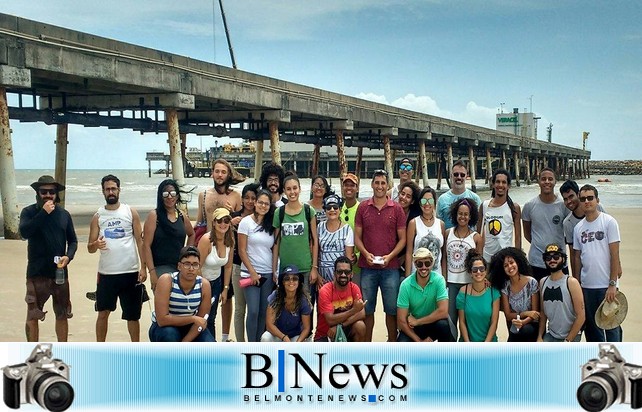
137, 189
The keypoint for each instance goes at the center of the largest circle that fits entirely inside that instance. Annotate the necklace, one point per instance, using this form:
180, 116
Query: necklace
461, 238
427, 222
479, 291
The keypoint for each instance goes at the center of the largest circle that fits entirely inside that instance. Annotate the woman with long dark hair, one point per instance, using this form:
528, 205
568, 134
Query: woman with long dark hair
256, 243
165, 231
288, 312
510, 273
318, 192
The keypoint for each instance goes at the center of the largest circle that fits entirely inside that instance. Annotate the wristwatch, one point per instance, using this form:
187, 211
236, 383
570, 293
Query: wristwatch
612, 282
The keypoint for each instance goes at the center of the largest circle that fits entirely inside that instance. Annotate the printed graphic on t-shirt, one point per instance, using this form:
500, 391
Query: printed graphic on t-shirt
495, 227
457, 255
552, 294
293, 229
430, 242
114, 229
591, 236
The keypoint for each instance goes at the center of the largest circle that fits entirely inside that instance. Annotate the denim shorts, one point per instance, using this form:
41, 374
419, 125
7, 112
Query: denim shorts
388, 281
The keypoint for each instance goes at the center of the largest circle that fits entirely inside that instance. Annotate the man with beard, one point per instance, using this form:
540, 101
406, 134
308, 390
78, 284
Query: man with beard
542, 218
272, 176
115, 230
456, 192
562, 301
570, 192
422, 305
50, 234
340, 303
222, 194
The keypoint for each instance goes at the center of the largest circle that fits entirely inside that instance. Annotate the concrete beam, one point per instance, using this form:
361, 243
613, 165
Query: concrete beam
15, 77
122, 102
322, 125
237, 116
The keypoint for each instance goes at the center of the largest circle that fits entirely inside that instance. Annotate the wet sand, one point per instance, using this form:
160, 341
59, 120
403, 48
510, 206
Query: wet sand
83, 279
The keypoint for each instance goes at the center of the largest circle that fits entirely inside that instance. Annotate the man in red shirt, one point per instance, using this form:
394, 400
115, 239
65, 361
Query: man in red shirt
340, 303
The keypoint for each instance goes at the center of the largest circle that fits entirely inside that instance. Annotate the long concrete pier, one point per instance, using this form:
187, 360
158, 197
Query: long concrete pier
63, 76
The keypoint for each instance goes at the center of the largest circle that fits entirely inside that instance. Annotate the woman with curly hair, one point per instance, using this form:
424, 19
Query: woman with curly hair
459, 240
477, 303
510, 273
288, 312
408, 199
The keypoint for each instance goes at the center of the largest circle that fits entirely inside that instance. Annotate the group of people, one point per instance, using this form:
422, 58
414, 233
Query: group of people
446, 265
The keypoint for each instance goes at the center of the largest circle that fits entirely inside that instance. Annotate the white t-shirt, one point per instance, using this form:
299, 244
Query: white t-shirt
431, 238
498, 225
259, 245
121, 254
592, 239
546, 226
457, 250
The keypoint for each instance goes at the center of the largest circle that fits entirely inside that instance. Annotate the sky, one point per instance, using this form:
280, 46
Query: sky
577, 64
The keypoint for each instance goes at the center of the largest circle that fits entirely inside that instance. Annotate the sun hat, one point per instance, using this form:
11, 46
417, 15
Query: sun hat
422, 253
47, 180
220, 213
610, 315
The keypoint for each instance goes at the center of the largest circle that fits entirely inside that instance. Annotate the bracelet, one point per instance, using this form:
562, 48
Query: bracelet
282, 337
315, 266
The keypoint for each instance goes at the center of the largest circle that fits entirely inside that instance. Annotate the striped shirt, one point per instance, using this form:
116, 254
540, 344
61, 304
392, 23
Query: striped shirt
181, 304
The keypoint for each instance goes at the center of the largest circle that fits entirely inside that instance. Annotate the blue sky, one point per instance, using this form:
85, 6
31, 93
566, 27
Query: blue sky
581, 61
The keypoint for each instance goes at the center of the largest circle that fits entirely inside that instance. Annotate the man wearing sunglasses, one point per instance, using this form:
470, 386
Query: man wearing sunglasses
405, 175
562, 305
422, 305
350, 193
457, 191
50, 234
115, 231
341, 303
596, 240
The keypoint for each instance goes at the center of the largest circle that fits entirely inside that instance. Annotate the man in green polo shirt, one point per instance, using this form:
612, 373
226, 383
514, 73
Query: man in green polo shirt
422, 304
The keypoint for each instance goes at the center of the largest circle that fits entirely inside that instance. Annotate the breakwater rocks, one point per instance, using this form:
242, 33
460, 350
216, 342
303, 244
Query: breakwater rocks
615, 167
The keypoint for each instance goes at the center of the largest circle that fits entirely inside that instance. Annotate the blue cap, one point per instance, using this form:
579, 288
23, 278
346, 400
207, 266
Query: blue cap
332, 200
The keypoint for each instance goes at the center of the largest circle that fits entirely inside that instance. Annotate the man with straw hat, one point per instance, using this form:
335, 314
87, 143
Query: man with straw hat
52, 244
610, 315
597, 241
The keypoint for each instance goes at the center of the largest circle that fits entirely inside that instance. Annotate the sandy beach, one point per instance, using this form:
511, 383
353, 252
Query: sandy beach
83, 278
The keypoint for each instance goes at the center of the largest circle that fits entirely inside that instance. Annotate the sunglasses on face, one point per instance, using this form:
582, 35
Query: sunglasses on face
425, 202
551, 256
477, 269
332, 207
225, 220
169, 194
342, 272
47, 191
290, 278
423, 263
459, 174
587, 198
405, 168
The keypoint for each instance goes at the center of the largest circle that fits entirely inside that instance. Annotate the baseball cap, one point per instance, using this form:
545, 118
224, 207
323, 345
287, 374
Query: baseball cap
351, 177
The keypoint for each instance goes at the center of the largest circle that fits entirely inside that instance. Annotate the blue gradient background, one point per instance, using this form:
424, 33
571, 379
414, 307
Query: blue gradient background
202, 377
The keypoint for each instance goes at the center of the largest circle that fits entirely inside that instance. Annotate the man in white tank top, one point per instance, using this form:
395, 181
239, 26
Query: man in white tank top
115, 230
500, 219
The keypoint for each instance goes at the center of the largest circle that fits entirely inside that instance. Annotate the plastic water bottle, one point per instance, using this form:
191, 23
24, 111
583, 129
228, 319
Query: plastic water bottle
516, 326
60, 272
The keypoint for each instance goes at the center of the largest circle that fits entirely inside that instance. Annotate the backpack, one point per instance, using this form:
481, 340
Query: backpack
308, 217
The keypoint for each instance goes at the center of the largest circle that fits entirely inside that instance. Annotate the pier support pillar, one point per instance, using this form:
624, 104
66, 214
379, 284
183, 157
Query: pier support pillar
440, 165
10, 212
171, 116
489, 166
316, 155
588, 170
473, 168
504, 159
528, 169
62, 132
275, 146
423, 163
341, 153
516, 167
387, 153
258, 159
448, 172
357, 167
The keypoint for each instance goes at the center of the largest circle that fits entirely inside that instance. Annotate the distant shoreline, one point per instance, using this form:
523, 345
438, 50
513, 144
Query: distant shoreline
615, 167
